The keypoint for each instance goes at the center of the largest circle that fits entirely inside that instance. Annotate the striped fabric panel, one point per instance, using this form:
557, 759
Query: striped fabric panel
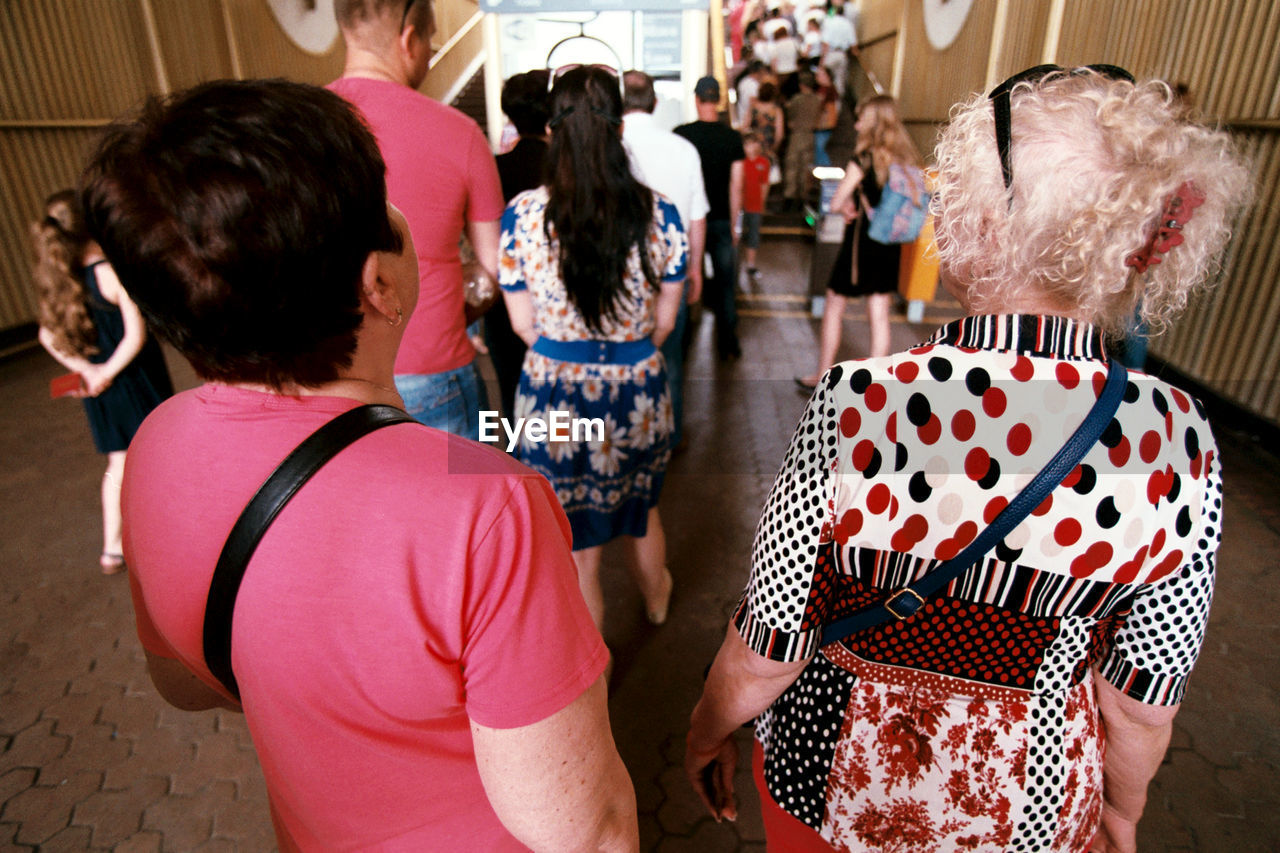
783, 646
1059, 336
1013, 587
1144, 686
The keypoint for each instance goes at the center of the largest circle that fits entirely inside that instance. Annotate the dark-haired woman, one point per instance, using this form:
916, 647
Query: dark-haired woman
591, 267
91, 327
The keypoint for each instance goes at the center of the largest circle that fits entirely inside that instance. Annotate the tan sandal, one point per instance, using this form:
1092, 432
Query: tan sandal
111, 564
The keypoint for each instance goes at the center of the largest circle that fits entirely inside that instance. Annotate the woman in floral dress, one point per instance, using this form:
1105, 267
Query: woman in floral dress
592, 267
978, 723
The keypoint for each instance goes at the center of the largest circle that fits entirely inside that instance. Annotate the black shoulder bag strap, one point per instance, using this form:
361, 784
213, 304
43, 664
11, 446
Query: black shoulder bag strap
907, 600
298, 467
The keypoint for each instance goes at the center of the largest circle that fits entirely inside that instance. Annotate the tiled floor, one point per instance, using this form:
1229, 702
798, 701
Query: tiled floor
90, 758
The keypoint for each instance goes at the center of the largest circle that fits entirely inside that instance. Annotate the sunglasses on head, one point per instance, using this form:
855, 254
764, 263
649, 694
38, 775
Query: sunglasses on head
567, 111
573, 66
1000, 106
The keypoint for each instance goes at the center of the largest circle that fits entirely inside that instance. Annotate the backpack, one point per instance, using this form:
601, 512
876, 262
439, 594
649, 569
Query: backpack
904, 203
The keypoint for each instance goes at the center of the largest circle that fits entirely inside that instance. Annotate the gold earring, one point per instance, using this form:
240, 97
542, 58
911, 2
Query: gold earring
399, 317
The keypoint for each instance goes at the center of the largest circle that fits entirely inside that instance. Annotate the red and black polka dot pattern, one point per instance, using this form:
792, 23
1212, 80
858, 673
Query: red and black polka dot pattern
967, 640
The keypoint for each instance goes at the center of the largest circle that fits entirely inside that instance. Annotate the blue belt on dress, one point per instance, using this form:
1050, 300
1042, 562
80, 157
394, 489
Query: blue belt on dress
596, 352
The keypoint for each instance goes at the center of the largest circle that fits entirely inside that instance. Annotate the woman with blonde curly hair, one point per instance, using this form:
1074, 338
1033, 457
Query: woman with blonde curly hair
976, 718
864, 267
89, 324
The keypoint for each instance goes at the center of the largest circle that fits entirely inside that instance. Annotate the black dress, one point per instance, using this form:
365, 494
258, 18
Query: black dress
116, 413
877, 262
519, 169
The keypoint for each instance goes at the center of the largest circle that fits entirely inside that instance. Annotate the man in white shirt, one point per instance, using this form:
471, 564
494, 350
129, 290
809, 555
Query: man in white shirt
748, 88
838, 37
786, 56
668, 164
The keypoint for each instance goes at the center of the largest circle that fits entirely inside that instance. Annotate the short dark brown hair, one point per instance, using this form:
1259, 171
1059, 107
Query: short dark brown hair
637, 92
239, 215
351, 13
526, 101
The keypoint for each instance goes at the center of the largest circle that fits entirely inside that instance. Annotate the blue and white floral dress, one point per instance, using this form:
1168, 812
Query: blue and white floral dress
608, 483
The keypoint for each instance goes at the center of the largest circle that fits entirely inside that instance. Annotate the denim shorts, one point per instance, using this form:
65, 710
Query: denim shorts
751, 230
450, 400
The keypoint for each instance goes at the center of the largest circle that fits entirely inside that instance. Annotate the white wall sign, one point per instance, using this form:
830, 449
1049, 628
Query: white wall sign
943, 20
309, 24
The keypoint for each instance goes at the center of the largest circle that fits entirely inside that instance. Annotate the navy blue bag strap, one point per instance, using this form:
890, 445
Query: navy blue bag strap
907, 600
298, 467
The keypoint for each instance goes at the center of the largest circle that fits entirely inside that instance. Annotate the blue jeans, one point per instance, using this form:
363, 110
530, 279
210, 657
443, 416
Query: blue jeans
673, 354
719, 292
450, 400
820, 156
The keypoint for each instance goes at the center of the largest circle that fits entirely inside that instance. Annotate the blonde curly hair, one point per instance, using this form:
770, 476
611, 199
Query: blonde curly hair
1094, 162
58, 242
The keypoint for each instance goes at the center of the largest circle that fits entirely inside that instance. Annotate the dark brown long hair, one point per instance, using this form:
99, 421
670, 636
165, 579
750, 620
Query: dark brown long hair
597, 211
58, 242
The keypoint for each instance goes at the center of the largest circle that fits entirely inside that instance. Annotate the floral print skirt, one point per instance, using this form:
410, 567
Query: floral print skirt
915, 767
610, 473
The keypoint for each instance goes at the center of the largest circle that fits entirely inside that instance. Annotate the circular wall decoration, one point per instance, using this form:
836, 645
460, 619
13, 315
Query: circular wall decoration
309, 24
943, 20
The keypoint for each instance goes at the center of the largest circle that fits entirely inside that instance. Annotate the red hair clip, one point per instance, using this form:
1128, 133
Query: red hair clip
1177, 212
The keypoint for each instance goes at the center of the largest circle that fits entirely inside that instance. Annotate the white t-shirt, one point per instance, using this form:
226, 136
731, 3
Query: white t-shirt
837, 33
786, 56
666, 163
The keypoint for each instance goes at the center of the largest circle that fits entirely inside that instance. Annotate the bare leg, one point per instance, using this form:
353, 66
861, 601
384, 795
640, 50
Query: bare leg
649, 568
588, 561
111, 517
750, 255
829, 344
878, 318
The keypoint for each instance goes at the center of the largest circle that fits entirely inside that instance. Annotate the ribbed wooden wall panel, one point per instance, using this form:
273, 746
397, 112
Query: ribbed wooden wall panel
193, 41
879, 19
64, 61
1229, 340
265, 51
1023, 46
1227, 52
934, 80
67, 67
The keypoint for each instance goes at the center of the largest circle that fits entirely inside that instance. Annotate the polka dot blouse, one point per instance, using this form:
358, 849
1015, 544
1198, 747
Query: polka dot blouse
979, 710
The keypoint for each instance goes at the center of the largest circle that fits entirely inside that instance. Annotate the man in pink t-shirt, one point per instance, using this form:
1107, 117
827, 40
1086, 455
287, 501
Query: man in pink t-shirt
442, 176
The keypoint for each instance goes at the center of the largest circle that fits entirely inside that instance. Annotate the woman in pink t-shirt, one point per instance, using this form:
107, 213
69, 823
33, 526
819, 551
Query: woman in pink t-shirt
416, 664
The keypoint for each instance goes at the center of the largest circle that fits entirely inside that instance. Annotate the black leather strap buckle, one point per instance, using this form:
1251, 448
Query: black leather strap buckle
903, 603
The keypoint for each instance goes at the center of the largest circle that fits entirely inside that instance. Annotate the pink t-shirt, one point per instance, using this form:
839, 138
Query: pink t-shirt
441, 175
416, 582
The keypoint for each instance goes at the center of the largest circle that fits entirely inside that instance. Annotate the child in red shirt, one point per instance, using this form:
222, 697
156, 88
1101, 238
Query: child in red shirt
755, 189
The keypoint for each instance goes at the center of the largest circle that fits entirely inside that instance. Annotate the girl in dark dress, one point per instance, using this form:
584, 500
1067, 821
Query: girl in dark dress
89, 324
871, 270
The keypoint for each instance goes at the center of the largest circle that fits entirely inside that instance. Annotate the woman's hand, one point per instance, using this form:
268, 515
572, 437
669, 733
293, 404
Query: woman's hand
711, 775
97, 378
1117, 833
740, 685
849, 210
